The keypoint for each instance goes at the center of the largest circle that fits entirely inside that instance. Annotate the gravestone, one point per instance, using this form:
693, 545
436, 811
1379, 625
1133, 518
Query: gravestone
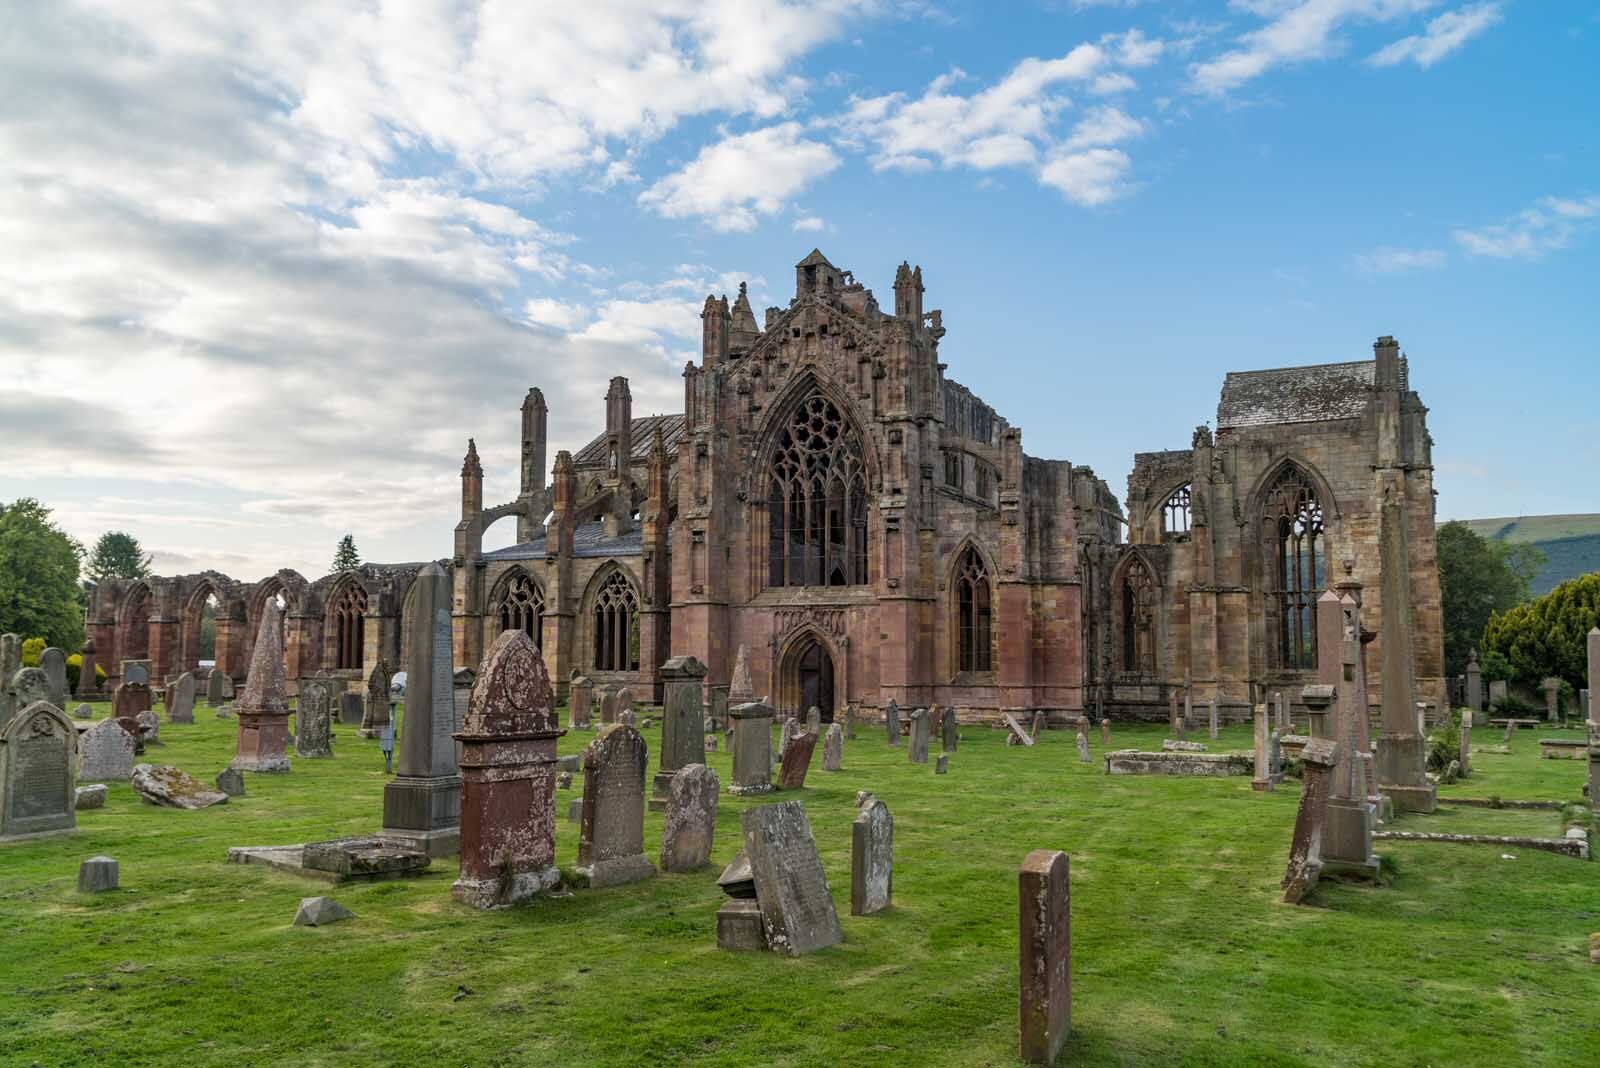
1474, 683
352, 706
313, 720
375, 706
1172, 712
508, 763
320, 911
833, 748
891, 721
38, 755
752, 748
167, 694
625, 705
850, 717
28, 685
611, 835
91, 796
1105, 733
214, 688
105, 753
1466, 742
1317, 761
814, 720
1263, 777
1552, 693
163, 784
739, 924
1083, 744
608, 704
796, 761
1592, 706
949, 731
871, 859
231, 782
1211, 716
422, 803
1497, 693
1044, 955
1039, 725
136, 671
740, 689
149, 722
263, 709
691, 819
83, 712
88, 672
683, 727
1275, 756
1021, 736
942, 764
53, 662
580, 703
917, 752
97, 875
797, 914
182, 699
10, 664
786, 731
717, 712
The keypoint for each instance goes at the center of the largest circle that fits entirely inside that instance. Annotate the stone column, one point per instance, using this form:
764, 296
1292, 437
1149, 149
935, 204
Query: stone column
1402, 750
1474, 683
264, 708
1263, 779
1044, 955
422, 804
87, 685
1211, 717
683, 724
1594, 676
1347, 835
1552, 691
752, 748
1466, 742
508, 779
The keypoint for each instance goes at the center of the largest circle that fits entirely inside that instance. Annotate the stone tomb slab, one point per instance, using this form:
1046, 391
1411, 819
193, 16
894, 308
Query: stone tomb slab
361, 859
1135, 762
797, 912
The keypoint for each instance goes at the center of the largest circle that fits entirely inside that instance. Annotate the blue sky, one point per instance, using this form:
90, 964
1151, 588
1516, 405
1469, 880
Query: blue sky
270, 267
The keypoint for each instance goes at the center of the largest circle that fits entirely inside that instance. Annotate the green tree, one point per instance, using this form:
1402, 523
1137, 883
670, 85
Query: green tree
345, 556
117, 554
1548, 636
38, 576
1477, 578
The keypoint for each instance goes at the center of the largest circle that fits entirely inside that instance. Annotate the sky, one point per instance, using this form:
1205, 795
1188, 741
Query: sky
265, 267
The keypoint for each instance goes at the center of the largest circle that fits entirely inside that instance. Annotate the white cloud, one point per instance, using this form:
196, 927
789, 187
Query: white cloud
1299, 30
734, 182
556, 314
1388, 260
1105, 126
1090, 178
1110, 84
807, 224
1443, 35
1552, 223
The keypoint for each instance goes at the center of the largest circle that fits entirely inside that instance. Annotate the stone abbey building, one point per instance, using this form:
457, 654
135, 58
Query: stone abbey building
869, 529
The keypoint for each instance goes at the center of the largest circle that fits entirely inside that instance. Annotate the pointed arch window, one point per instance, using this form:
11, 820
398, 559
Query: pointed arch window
1296, 565
817, 500
1175, 512
616, 626
974, 614
1138, 619
521, 608
350, 629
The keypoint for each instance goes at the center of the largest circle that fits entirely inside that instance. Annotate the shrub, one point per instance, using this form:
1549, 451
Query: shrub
31, 649
1548, 636
1444, 745
75, 668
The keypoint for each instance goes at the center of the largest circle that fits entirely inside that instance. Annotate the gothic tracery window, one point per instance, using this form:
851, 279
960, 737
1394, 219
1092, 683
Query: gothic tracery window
974, 613
350, 629
1175, 512
1138, 619
616, 626
817, 501
522, 608
1295, 563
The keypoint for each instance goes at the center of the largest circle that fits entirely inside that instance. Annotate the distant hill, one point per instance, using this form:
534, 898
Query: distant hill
1570, 543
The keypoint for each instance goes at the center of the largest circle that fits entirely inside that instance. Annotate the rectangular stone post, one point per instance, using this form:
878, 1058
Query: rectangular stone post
1466, 742
1211, 716
1305, 849
683, 724
1044, 955
1474, 683
752, 748
1402, 748
1263, 779
422, 804
1593, 710
1347, 837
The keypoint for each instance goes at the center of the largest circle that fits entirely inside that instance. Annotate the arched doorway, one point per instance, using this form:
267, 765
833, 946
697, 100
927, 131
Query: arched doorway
808, 679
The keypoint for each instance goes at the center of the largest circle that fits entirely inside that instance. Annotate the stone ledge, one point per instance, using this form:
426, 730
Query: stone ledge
1136, 762
1568, 847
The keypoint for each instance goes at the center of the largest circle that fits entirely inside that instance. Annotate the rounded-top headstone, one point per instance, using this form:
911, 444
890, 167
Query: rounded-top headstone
512, 694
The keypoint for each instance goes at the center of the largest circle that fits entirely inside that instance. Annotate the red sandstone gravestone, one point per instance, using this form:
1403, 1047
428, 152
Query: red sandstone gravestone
1044, 947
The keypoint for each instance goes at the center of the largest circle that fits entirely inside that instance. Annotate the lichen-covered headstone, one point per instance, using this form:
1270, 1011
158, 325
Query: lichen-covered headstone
796, 907
38, 755
375, 703
611, 837
691, 819
313, 719
28, 685
871, 859
105, 753
833, 748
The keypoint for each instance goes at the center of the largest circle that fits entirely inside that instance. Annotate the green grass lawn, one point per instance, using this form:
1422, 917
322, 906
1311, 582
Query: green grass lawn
1182, 953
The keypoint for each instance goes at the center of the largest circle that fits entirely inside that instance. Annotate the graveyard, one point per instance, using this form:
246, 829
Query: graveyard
1181, 949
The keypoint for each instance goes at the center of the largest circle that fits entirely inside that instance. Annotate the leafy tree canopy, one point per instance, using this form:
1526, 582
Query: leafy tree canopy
118, 554
1548, 636
345, 556
38, 576
1477, 578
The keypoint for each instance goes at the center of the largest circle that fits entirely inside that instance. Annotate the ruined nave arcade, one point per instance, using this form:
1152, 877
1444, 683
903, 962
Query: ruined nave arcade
867, 529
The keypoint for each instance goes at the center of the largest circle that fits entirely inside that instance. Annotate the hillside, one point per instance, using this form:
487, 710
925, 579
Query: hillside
1570, 543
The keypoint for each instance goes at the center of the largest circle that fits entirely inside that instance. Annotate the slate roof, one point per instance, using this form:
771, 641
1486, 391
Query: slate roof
1297, 394
588, 540
642, 431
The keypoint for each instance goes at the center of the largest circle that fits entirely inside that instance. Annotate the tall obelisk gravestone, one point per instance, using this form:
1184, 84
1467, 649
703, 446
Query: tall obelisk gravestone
1402, 749
422, 805
1347, 834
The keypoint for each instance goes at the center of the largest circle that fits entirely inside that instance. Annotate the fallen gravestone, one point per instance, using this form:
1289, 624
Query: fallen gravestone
690, 823
1134, 762
871, 859
1020, 736
797, 914
319, 911
97, 875
1317, 761
163, 784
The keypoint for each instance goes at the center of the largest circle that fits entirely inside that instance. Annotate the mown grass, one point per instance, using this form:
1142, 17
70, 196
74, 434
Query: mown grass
1181, 951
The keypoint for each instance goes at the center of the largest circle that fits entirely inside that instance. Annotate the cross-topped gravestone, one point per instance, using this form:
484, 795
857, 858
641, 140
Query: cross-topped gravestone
797, 911
871, 859
508, 759
611, 835
38, 755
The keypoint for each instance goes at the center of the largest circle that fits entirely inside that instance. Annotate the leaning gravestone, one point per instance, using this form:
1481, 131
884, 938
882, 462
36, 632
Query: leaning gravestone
1021, 736
611, 836
182, 699
105, 753
796, 761
691, 819
53, 662
871, 859
797, 912
313, 720
833, 748
38, 753
891, 721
